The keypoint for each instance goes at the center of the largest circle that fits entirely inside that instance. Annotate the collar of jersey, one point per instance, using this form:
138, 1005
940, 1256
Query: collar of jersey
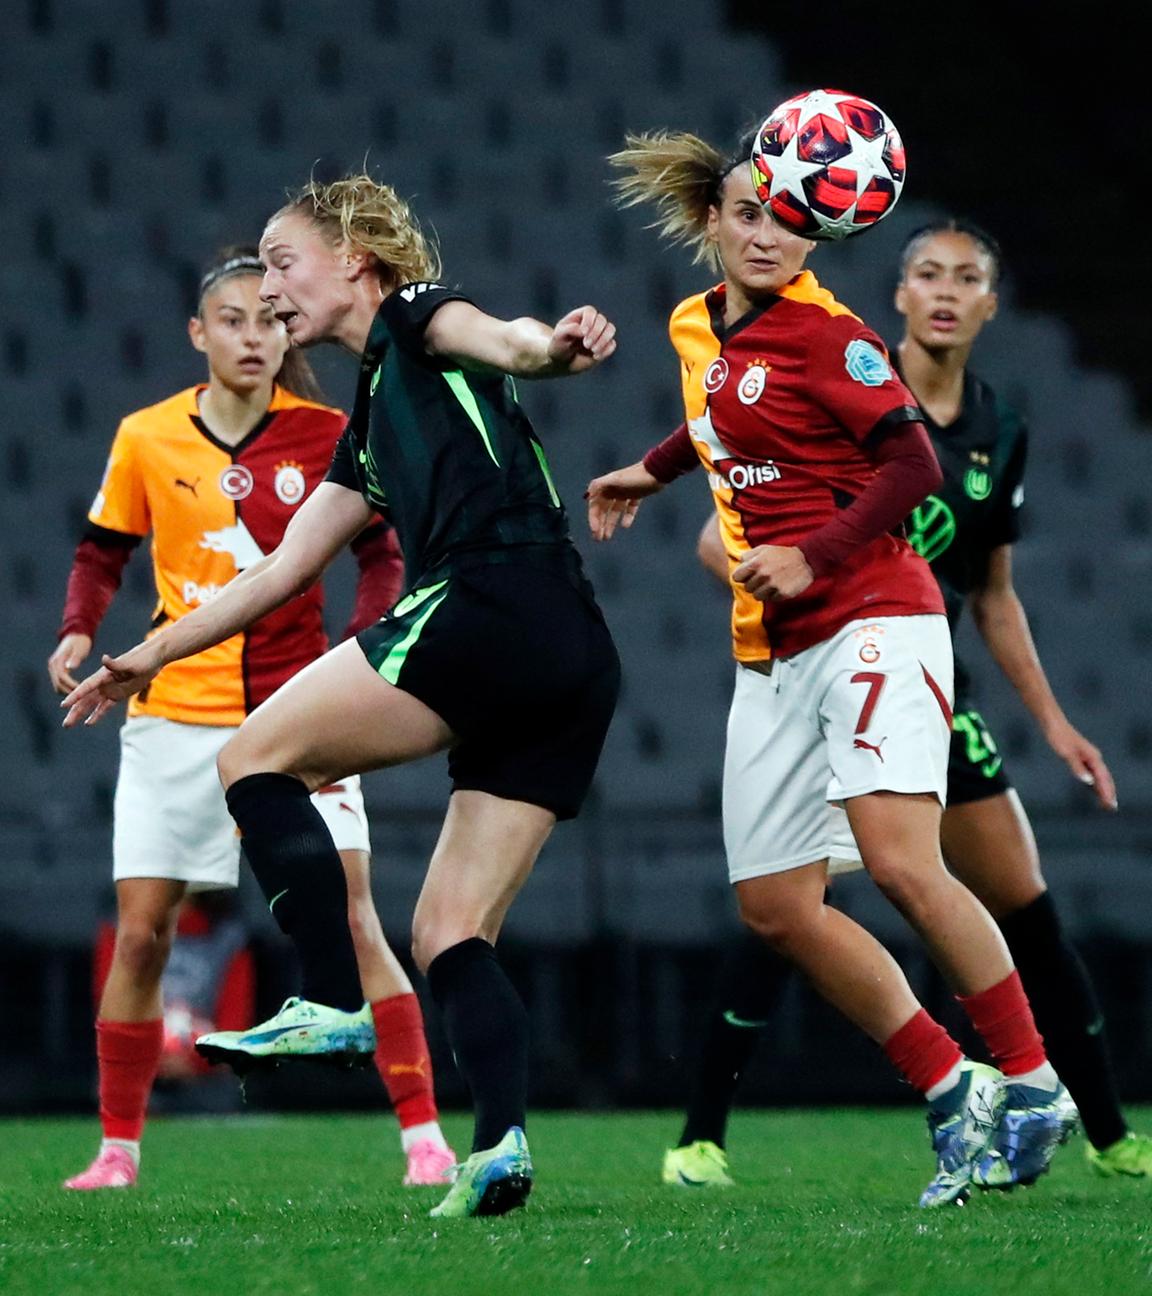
725, 333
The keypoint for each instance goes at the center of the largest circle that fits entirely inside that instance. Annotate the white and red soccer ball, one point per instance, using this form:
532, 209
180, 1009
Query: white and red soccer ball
828, 164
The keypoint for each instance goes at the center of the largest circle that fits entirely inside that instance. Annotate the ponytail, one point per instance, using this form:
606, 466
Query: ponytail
682, 176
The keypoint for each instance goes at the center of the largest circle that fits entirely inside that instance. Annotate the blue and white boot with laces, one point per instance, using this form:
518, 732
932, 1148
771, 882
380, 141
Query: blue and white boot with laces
1032, 1126
962, 1122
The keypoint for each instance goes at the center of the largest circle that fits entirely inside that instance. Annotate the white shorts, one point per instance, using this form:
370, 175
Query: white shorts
170, 819
868, 710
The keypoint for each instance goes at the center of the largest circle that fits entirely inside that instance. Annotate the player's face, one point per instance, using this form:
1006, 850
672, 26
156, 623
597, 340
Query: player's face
758, 255
244, 342
948, 292
303, 283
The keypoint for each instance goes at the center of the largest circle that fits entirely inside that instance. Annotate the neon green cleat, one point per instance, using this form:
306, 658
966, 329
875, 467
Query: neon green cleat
491, 1182
699, 1165
1128, 1158
301, 1029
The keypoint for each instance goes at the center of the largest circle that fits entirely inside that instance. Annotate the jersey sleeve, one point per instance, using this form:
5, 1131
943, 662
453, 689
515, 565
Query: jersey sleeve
1004, 522
410, 308
121, 503
850, 377
342, 469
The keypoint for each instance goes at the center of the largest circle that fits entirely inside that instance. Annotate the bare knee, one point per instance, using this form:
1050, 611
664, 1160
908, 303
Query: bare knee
231, 764
142, 947
431, 938
907, 882
783, 927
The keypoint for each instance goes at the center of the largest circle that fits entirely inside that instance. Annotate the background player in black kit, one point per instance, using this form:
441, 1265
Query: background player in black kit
497, 652
947, 293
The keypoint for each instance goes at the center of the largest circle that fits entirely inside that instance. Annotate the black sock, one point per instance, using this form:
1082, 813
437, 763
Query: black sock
1067, 1015
290, 849
750, 983
487, 1028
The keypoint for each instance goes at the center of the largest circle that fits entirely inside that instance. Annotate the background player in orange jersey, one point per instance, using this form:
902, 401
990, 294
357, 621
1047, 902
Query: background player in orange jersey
816, 453
949, 276
215, 474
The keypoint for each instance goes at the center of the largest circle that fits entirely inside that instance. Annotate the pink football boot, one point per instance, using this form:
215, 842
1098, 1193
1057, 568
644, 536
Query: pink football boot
113, 1168
429, 1163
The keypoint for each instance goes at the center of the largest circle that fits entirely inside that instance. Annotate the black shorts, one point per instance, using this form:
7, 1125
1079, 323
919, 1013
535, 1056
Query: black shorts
517, 661
975, 766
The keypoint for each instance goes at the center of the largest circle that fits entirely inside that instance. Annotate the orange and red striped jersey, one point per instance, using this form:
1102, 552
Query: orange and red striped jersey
213, 510
778, 405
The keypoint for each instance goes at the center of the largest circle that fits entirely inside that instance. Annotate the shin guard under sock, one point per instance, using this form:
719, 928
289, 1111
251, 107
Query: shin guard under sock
128, 1055
402, 1059
751, 980
923, 1052
290, 849
1002, 1017
1067, 1014
487, 1028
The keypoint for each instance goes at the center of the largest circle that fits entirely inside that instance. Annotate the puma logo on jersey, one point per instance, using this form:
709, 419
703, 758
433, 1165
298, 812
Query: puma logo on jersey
860, 745
189, 486
235, 541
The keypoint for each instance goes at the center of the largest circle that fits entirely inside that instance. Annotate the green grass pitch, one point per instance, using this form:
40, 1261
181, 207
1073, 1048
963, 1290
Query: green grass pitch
301, 1205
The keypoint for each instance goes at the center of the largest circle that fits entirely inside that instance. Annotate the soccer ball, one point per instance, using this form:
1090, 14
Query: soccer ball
828, 164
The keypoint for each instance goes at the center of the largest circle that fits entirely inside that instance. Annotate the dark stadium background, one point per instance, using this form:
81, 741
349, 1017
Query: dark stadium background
108, 201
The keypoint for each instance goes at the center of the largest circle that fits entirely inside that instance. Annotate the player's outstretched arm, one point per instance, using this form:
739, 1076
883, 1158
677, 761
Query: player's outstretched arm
614, 498
525, 348
1003, 624
327, 520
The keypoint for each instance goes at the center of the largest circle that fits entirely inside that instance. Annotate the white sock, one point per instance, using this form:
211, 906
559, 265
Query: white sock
429, 1130
131, 1146
942, 1086
1041, 1077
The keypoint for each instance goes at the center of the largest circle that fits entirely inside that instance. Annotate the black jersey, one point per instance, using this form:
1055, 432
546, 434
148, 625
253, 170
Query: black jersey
446, 454
976, 508
982, 455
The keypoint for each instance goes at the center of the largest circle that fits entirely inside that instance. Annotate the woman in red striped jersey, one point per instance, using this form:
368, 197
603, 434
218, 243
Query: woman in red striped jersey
816, 453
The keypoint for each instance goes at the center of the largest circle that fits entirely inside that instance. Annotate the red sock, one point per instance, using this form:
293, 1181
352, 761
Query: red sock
128, 1054
403, 1060
923, 1051
1003, 1017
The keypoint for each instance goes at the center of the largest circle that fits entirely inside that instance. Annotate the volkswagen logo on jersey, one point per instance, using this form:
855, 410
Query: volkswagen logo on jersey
715, 376
236, 482
931, 528
289, 483
865, 364
752, 385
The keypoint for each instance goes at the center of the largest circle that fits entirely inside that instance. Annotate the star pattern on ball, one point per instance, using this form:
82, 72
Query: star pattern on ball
789, 171
867, 157
820, 103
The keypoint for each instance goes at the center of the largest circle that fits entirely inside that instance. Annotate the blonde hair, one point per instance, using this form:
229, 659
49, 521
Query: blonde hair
373, 217
683, 176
